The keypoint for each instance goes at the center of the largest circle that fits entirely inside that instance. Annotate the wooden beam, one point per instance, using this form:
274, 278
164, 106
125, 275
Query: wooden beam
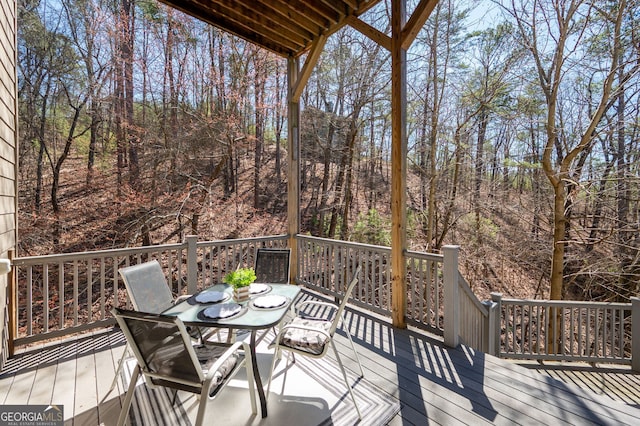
293, 157
398, 165
307, 69
377, 36
416, 22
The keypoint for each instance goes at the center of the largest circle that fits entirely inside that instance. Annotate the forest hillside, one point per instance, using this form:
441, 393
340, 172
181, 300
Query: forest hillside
140, 125
501, 256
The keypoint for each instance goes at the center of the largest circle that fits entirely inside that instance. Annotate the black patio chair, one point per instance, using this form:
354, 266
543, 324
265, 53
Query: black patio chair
166, 356
272, 265
149, 292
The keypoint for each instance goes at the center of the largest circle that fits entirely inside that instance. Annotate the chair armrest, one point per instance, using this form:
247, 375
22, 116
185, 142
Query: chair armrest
181, 298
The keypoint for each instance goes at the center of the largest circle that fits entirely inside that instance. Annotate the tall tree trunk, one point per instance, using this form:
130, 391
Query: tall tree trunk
337, 206
132, 140
599, 204
326, 178
433, 133
41, 151
55, 184
169, 101
279, 123
351, 143
623, 194
93, 138
535, 177
453, 191
259, 81
483, 119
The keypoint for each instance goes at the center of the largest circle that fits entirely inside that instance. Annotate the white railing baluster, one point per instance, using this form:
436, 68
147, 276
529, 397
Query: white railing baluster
103, 296
76, 305
29, 301
90, 288
635, 334
45, 299
61, 295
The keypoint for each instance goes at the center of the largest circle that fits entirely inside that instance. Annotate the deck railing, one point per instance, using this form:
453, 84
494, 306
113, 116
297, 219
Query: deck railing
466, 319
586, 331
425, 288
475, 319
68, 293
321, 262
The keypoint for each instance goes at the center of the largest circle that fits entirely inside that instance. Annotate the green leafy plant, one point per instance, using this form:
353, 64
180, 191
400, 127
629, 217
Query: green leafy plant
241, 277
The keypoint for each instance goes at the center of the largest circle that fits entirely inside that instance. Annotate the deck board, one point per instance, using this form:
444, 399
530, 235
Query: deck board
435, 385
64, 381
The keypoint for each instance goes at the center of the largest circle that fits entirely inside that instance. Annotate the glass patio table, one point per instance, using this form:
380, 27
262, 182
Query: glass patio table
215, 307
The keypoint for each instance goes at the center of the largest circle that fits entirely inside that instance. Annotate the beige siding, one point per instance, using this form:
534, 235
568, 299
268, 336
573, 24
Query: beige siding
8, 157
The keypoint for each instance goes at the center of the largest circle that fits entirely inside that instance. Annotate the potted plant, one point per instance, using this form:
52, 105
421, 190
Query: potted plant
240, 280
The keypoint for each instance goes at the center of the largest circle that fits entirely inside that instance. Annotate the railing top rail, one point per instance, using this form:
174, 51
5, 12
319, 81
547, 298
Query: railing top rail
242, 240
566, 303
428, 256
125, 251
466, 288
50, 258
346, 243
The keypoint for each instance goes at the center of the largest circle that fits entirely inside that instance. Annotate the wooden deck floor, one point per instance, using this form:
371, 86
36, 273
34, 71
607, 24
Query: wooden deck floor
434, 384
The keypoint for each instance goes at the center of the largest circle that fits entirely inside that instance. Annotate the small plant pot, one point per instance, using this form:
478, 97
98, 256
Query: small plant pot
241, 294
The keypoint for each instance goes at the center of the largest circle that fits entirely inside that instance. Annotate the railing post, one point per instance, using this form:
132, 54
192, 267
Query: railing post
495, 315
635, 334
451, 296
192, 264
486, 345
12, 306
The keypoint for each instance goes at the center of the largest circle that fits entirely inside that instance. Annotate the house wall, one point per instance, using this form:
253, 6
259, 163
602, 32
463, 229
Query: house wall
8, 156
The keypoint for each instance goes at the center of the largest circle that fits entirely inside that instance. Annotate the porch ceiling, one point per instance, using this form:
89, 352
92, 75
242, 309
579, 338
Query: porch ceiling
286, 27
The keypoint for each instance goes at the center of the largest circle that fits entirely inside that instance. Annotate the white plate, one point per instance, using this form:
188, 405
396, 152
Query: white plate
210, 297
257, 288
224, 310
272, 301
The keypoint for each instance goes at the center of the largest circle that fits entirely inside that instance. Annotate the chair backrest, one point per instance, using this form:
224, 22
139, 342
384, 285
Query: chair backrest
162, 347
347, 295
147, 287
272, 265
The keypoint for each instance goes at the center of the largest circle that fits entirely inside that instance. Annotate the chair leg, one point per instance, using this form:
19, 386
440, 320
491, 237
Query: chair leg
276, 356
346, 381
355, 352
118, 369
202, 405
127, 400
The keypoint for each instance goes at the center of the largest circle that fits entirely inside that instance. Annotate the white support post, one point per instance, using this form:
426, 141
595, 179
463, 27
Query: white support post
192, 264
635, 334
451, 296
495, 317
487, 345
